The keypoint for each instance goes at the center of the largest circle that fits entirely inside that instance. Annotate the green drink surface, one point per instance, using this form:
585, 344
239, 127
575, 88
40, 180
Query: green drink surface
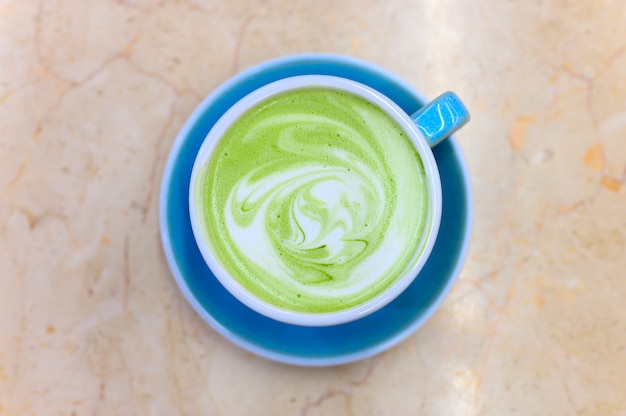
314, 200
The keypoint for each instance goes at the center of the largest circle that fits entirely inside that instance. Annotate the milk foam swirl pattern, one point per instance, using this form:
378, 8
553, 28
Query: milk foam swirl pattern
315, 200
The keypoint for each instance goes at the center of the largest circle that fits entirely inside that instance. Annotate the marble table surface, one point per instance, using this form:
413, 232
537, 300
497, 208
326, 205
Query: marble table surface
92, 95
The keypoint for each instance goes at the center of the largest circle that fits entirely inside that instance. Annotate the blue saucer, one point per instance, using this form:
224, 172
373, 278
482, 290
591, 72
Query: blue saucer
289, 343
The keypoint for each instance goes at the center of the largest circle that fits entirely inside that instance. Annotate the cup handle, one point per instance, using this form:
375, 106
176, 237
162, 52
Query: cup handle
441, 117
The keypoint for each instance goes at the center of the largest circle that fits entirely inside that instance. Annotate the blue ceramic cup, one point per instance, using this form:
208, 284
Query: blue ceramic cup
423, 129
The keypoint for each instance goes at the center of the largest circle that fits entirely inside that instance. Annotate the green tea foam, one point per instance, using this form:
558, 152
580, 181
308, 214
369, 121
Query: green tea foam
314, 200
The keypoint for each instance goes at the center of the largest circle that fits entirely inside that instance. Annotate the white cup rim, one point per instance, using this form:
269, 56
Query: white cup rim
434, 189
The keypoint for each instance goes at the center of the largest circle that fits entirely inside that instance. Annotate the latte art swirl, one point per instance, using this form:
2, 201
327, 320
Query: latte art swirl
315, 200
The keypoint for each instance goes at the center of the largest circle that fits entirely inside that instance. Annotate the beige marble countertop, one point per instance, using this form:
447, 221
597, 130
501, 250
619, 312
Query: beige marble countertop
92, 94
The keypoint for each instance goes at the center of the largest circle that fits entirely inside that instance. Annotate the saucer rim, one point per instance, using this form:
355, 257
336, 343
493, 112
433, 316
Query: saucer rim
282, 357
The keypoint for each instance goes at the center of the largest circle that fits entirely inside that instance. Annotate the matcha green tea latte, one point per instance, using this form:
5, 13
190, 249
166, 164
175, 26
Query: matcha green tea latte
314, 200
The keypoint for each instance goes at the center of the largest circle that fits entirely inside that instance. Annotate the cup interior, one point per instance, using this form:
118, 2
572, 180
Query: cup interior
266, 92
